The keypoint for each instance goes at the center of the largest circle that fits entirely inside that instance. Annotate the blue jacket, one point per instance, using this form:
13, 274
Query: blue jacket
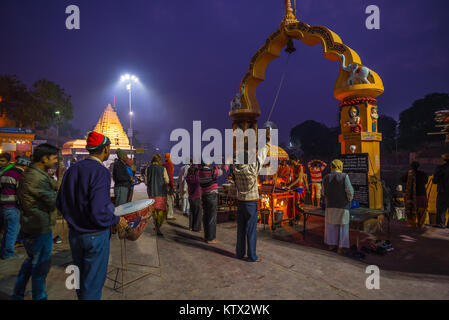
84, 197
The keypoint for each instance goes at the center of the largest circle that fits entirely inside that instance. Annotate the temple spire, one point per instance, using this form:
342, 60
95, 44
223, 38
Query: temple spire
109, 125
289, 16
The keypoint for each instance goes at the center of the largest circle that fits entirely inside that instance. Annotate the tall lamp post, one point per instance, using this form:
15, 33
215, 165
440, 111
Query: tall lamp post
129, 80
58, 113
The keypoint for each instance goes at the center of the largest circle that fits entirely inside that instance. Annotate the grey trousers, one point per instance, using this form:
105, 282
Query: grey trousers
121, 195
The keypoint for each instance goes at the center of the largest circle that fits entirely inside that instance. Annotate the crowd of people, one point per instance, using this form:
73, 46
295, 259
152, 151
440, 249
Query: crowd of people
30, 199
416, 195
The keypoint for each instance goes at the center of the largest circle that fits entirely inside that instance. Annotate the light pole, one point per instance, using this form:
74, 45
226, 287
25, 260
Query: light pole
57, 127
129, 79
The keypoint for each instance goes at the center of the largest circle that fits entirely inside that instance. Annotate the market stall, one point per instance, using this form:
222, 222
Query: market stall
276, 206
276, 202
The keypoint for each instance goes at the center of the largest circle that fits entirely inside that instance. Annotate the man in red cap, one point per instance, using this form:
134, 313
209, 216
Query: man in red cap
85, 202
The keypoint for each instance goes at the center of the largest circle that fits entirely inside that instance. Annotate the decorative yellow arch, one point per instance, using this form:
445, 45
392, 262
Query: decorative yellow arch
362, 134
333, 46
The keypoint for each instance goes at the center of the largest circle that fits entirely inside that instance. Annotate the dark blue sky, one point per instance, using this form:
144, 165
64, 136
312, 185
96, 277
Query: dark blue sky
191, 55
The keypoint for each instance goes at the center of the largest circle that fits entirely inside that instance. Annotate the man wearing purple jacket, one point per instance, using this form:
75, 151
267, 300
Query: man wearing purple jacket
194, 189
84, 201
207, 176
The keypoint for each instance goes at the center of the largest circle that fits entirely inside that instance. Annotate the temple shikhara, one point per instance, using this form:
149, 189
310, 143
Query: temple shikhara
108, 125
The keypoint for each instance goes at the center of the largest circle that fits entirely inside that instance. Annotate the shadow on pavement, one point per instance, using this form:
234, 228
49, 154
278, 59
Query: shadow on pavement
415, 251
193, 241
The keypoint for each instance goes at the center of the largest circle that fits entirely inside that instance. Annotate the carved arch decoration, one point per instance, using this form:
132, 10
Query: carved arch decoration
311, 35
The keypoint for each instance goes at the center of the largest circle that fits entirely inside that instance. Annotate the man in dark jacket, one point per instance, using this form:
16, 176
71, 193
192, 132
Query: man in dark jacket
85, 202
441, 179
37, 199
122, 180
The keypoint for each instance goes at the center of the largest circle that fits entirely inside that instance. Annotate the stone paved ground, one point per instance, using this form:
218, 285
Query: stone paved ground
291, 268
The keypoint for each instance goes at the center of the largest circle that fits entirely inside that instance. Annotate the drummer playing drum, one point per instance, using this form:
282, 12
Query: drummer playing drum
85, 202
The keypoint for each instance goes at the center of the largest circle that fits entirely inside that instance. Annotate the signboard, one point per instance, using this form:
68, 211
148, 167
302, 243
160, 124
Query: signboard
357, 167
140, 150
15, 130
130, 132
8, 147
38, 142
25, 147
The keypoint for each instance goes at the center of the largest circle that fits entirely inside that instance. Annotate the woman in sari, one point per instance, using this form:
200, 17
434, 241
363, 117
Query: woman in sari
156, 180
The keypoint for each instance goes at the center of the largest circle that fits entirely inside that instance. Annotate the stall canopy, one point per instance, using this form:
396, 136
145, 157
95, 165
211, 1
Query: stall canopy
276, 152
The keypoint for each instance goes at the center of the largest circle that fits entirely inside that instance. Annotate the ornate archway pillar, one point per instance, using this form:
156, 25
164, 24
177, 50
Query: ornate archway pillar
356, 87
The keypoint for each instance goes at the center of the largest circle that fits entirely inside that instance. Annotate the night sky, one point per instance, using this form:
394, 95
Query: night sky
191, 55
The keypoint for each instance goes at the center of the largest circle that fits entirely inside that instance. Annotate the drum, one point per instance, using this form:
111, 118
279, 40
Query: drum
137, 214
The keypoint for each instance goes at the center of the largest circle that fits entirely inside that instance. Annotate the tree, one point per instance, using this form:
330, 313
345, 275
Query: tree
67, 130
15, 99
315, 139
416, 121
387, 126
35, 107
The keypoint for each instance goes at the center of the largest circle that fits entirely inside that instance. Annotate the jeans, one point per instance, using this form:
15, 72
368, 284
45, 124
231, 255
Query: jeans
11, 216
90, 253
195, 214
37, 265
121, 195
1, 221
210, 215
247, 229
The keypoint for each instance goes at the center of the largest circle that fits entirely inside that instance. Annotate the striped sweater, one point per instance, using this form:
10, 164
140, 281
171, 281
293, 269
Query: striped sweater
316, 171
208, 179
9, 182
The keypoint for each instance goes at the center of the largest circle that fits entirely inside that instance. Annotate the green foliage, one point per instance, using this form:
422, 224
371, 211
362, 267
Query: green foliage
418, 120
315, 139
35, 107
67, 130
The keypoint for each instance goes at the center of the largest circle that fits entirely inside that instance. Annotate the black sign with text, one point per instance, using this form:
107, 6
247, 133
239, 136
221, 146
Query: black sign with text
357, 166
